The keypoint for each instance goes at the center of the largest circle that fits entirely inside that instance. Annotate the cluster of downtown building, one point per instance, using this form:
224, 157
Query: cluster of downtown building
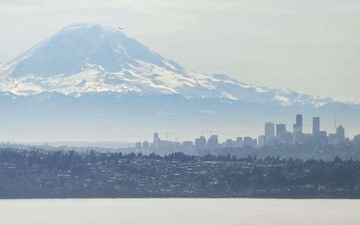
275, 134
280, 135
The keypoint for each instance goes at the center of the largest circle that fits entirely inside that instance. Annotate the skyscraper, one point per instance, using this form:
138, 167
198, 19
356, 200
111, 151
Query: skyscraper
156, 143
200, 143
299, 122
297, 129
340, 134
280, 128
261, 141
213, 142
145, 145
138, 146
269, 133
229, 143
316, 125
248, 142
239, 142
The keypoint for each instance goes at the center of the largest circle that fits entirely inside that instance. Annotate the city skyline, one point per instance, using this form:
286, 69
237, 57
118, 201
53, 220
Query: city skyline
272, 136
256, 129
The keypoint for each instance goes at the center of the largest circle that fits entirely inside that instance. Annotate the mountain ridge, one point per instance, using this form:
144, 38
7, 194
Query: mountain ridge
92, 58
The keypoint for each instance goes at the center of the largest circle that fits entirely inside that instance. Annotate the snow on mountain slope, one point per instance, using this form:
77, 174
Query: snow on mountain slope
86, 58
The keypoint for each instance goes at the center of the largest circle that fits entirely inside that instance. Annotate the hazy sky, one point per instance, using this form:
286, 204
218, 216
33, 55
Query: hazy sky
311, 46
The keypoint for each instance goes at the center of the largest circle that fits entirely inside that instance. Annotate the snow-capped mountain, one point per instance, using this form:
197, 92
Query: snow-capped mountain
91, 58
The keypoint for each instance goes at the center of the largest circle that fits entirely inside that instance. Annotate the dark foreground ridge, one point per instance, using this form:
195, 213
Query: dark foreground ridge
70, 174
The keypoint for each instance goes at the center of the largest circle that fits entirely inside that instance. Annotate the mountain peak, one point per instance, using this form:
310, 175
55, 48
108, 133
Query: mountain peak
74, 47
87, 26
105, 31
92, 58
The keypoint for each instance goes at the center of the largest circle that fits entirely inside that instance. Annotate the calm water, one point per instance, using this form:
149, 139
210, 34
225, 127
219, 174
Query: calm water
179, 211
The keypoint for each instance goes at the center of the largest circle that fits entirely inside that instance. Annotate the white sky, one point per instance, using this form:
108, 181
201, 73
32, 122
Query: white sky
311, 46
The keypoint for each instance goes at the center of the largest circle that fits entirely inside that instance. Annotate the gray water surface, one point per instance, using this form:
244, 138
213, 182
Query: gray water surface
179, 212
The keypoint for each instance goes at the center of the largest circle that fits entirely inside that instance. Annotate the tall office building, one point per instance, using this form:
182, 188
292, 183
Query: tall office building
213, 142
239, 142
138, 146
316, 125
145, 145
248, 142
156, 142
298, 129
280, 128
340, 134
269, 129
229, 143
261, 141
200, 143
299, 122
269, 133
